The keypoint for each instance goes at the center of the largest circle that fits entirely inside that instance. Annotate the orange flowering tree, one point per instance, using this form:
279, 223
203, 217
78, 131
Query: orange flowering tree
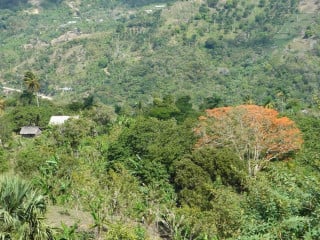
256, 134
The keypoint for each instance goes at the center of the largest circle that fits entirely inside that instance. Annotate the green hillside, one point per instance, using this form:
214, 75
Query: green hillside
177, 120
130, 51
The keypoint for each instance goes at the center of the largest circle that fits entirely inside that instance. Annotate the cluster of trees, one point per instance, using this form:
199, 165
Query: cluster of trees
184, 153
12, 3
146, 50
162, 171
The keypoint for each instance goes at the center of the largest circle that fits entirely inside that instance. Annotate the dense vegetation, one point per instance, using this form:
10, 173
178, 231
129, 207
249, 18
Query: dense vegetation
196, 120
124, 52
152, 174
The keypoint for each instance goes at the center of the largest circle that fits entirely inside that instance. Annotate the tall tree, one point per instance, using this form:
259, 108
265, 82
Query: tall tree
255, 133
32, 83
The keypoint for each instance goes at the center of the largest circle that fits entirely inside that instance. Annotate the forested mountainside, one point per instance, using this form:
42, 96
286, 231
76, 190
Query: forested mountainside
159, 120
130, 51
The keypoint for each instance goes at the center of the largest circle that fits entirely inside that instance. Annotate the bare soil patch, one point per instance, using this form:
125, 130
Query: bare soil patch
309, 6
56, 215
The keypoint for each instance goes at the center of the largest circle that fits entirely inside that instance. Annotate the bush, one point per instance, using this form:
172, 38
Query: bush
210, 43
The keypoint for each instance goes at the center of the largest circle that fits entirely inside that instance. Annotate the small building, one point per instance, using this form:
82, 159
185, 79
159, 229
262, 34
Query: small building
59, 120
30, 131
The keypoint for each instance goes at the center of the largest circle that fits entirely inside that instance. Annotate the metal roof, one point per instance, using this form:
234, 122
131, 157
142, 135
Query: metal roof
30, 130
59, 120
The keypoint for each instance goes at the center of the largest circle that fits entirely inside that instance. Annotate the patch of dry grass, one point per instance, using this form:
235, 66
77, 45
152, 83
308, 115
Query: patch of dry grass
309, 6
56, 215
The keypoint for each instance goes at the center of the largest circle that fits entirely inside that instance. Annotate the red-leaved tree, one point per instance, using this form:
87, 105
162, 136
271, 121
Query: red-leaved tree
257, 134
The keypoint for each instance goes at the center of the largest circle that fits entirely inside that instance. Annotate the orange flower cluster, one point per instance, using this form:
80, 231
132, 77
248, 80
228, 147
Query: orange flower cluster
255, 133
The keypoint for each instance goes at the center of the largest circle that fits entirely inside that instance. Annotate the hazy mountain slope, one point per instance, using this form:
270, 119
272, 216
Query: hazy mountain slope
240, 50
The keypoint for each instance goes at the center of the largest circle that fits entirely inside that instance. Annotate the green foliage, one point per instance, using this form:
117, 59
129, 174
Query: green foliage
168, 108
193, 184
53, 180
147, 55
222, 220
31, 82
228, 212
101, 115
145, 174
12, 4
212, 3
68, 232
4, 163
47, 4
21, 210
151, 140
73, 131
28, 160
20, 116
139, 176
211, 43
5, 130
123, 195
309, 125
194, 174
185, 108
293, 228
212, 102
269, 203
183, 223
163, 109
121, 231
223, 165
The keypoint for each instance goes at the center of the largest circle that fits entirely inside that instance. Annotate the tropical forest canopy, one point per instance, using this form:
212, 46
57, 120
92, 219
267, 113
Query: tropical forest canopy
186, 119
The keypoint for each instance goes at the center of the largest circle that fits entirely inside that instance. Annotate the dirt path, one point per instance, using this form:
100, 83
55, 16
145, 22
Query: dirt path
18, 90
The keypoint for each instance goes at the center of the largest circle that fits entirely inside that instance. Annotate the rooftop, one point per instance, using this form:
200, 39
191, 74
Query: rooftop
58, 120
30, 130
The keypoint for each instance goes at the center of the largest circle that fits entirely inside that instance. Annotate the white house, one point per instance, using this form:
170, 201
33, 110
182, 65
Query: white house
59, 120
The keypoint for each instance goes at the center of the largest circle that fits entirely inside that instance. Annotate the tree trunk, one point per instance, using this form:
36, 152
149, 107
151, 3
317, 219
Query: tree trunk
37, 99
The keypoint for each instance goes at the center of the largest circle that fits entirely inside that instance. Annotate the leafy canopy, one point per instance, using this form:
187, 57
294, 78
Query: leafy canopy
255, 133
